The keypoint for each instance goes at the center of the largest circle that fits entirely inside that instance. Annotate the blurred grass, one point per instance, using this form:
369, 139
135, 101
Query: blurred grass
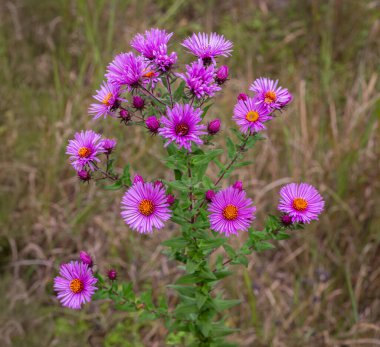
319, 289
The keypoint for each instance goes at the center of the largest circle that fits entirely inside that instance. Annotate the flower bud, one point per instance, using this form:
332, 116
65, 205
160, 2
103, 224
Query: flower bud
214, 126
221, 74
152, 124
109, 145
138, 102
85, 258
112, 274
286, 220
243, 97
209, 195
170, 199
159, 184
124, 115
238, 185
84, 175
137, 179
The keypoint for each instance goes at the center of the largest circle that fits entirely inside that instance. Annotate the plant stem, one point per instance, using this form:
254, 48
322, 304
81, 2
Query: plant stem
169, 89
152, 95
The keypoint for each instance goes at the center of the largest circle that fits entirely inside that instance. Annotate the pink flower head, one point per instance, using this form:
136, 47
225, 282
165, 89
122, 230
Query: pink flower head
221, 74
269, 94
170, 199
153, 46
210, 194
152, 124
238, 185
181, 125
302, 202
131, 71
109, 101
84, 175
75, 284
109, 145
200, 79
250, 116
214, 126
242, 96
137, 178
138, 102
85, 258
208, 46
145, 207
231, 211
84, 149
112, 274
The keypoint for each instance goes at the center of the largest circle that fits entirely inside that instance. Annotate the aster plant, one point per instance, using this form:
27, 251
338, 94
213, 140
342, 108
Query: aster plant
145, 89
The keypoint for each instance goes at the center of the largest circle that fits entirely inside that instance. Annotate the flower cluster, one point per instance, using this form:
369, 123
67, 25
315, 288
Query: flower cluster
143, 89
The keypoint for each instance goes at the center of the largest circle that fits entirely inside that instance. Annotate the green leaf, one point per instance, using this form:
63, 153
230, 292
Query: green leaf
176, 242
180, 91
230, 148
115, 186
221, 305
240, 259
212, 243
188, 279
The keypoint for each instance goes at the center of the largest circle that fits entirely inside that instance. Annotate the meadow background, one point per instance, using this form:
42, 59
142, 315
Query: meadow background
321, 288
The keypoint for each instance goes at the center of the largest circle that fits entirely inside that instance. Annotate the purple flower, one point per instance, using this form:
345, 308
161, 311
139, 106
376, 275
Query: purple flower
207, 47
83, 150
127, 69
152, 124
109, 101
137, 178
214, 126
286, 220
145, 207
138, 102
170, 199
84, 175
238, 185
153, 46
269, 94
302, 202
242, 96
221, 74
181, 125
210, 194
231, 211
200, 79
108, 145
85, 258
112, 274
124, 115
158, 183
75, 285
250, 116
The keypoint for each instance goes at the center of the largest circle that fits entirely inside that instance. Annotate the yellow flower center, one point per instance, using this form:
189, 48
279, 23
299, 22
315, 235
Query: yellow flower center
300, 204
76, 286
252, 116
146, 207
107, 98
270, 97
84, 152
181, 129
230, 212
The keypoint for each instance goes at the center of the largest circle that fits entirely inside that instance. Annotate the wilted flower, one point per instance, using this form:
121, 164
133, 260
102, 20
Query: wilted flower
108, 145
286, 220
221, 75
84, 175
85, 258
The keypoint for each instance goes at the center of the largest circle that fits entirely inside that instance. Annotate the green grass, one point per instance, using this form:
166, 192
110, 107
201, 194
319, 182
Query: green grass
319, 289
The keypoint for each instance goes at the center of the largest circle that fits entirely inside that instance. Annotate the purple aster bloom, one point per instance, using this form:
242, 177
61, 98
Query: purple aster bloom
269, 94
112, 274
127, 69
302, 202
200, 79
145, 207
250, 116
85, 258
109, 101
153, 46
83, 150
221, 74
152, 124
181, 125
84, 175
214, 126
242, 96
207, 47
75, 285
108, 145
231, 211
210, 194
138, 102
124, 115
